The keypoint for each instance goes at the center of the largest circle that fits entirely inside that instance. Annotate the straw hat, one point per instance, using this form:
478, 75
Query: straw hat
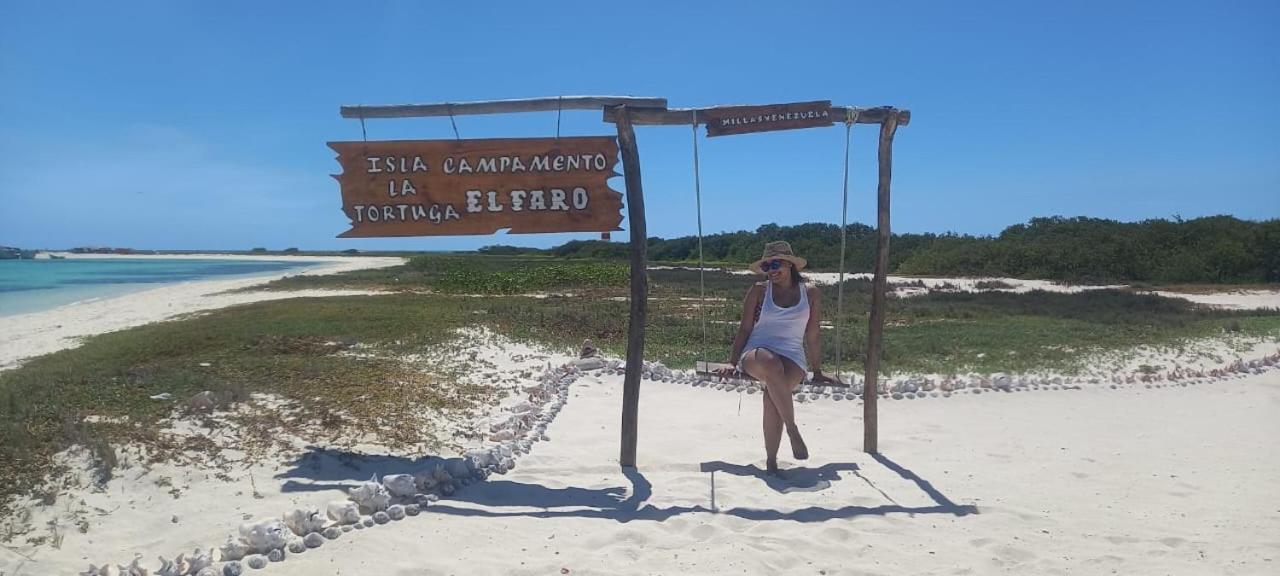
779, 250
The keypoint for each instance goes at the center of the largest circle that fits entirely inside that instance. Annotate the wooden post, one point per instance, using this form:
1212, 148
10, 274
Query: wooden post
870, 424
639, 286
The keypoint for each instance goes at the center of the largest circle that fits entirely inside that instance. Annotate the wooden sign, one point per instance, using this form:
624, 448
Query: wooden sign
457, 187
727, 120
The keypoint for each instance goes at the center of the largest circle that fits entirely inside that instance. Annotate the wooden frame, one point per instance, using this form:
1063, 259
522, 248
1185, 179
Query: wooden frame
889, 119
625, 112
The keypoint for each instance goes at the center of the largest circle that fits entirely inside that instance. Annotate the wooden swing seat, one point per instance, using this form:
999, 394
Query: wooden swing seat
708, 369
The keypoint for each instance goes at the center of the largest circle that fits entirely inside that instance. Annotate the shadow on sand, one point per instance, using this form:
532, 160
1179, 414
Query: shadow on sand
327, 469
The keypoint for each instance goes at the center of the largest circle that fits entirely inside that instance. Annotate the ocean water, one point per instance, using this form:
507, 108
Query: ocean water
34, 285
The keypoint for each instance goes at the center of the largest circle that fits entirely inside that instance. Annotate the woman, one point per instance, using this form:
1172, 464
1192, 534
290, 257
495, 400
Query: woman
779, 330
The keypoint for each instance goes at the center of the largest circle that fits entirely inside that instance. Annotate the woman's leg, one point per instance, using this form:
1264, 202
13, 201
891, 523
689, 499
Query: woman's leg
772, 433
780, 377
793, 375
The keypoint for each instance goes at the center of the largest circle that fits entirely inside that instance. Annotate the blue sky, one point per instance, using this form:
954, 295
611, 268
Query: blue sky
203, 124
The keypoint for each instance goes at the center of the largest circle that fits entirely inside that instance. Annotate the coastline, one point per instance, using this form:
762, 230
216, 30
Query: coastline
33, 334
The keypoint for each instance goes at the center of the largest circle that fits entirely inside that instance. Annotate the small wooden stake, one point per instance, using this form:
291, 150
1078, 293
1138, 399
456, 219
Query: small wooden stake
639, 286
870, 424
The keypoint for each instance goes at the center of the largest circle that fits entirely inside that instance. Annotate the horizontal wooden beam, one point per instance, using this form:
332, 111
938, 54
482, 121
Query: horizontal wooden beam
685, 116
502, 106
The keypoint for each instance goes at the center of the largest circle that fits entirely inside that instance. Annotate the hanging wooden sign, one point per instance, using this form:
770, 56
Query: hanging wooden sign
460, 187
728, 120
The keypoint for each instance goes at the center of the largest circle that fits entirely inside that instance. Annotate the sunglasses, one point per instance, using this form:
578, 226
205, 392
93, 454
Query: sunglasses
771, 265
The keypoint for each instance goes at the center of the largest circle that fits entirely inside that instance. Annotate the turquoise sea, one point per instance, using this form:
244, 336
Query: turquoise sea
34, 285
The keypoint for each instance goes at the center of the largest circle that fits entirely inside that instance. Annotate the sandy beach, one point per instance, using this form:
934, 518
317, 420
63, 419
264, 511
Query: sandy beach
26, 335
1109, 471
1176, 480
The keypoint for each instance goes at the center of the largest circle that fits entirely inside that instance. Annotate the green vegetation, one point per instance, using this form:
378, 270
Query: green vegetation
344, 360
469, 274
1218, 249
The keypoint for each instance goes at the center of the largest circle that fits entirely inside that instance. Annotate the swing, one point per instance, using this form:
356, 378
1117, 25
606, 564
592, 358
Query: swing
709, 369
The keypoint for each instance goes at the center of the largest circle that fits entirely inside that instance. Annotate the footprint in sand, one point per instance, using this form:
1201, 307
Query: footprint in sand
1121, 539
980, 542
1173, 541
1014, 554
835, 534
703, 533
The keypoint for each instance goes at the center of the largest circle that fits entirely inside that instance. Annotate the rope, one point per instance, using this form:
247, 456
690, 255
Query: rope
455, 124
559, 108
850, 118
702, 286
363, 135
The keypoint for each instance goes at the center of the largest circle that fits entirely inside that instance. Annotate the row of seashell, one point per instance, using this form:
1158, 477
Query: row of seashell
376, 501
922, 387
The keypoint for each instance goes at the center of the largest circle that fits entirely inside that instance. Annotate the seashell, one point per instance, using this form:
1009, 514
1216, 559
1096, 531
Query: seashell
265, 535
343, 512
133, 569
198, 561
456, 468
297, 547
168, 568
181, 566
381, 517
304, 521
395, 512
370, 496
400, 485
202, 402
256, 561
233, 568
313, 540
481, 458
276, 555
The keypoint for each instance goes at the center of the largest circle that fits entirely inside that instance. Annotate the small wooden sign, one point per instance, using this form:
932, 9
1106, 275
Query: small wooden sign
728, 120
460, 187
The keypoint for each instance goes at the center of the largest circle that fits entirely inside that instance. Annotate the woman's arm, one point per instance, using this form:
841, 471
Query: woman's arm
747, 323
813, 332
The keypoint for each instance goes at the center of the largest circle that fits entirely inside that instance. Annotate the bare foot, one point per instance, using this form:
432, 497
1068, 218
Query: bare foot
771, 467
798, 449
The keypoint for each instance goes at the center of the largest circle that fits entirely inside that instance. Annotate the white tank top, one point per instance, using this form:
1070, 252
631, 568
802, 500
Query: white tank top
781, 330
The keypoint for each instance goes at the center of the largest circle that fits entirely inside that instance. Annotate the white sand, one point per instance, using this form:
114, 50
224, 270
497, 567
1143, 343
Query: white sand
26, 335
1233, 299
1226, 298
1178, 481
